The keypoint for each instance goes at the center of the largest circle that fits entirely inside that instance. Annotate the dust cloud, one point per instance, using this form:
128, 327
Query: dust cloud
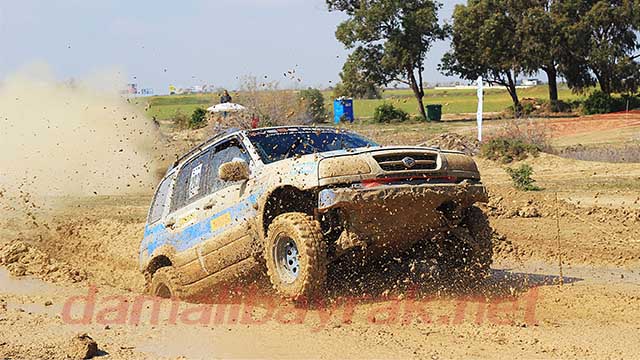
74, 138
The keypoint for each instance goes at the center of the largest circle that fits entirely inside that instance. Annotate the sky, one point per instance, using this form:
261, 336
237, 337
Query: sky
184, 43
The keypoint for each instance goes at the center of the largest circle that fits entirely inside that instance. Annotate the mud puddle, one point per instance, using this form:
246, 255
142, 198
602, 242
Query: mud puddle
24, 285
549, 274
29, 288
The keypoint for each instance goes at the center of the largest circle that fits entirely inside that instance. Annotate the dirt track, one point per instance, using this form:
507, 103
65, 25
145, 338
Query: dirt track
522, 311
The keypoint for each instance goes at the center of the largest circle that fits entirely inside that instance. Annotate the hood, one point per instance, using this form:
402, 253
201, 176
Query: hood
380, 149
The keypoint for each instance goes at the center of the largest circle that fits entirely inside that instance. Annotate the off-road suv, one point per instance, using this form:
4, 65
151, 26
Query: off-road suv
296, 199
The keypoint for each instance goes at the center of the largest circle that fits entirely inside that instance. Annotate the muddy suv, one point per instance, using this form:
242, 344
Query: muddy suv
294, 200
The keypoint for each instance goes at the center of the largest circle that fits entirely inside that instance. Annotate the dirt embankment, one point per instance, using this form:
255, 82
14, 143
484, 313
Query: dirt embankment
92, 240
587, 235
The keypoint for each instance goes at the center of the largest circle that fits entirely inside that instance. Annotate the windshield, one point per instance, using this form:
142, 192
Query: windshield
279, 144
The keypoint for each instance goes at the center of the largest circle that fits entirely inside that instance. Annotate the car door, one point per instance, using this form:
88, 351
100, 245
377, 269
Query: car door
227, 212
187, 220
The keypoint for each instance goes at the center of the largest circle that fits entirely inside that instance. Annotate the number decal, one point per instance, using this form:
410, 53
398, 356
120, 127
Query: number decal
194, 181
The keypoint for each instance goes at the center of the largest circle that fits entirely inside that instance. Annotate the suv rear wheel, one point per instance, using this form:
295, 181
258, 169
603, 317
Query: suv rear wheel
166, 283
296, 254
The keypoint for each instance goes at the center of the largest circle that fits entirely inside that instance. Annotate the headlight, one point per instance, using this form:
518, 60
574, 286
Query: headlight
343, 166
461, 162
326, 199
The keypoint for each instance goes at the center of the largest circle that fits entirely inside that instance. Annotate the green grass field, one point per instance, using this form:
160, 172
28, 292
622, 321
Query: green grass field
455, 101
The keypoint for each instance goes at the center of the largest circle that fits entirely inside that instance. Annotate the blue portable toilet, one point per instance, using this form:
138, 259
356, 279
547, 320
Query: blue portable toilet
342, 110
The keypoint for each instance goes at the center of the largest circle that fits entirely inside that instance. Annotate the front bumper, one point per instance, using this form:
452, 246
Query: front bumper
434, 194
397, 216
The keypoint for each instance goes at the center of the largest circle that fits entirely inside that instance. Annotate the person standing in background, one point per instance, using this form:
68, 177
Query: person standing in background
225, 98
255, 121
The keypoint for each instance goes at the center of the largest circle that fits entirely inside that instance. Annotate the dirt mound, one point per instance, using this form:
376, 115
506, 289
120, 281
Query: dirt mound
82, 346
503, 248
98, 237
531, 206
22, 259
453, 141
497, 207
588, 234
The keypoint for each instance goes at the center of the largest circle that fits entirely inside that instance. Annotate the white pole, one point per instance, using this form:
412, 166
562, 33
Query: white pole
479, 114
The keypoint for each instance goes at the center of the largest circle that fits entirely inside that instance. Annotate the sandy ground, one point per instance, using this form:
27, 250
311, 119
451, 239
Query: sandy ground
55, 264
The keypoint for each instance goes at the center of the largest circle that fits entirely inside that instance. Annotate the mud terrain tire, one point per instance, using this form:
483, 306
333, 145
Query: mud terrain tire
466, 251
166, 283
302, 276
480, 230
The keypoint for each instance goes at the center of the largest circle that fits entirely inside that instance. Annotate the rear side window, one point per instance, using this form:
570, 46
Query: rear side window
190, 185
160, 201
199, 177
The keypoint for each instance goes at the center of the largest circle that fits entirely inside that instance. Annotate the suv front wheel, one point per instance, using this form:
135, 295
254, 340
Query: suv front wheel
296, 254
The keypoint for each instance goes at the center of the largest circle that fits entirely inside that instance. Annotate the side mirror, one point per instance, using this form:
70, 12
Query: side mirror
235, 170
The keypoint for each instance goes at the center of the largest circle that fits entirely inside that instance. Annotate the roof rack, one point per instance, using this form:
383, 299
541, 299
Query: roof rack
198, 148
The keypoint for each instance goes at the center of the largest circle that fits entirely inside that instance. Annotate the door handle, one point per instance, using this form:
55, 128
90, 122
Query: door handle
170, 223
209, 205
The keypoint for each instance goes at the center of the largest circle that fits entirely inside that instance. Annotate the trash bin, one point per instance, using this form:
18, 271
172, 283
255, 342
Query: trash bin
342, 110
434, 112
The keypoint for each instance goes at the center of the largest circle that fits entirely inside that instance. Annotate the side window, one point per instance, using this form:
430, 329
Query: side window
190, 185
224, 153
160, 201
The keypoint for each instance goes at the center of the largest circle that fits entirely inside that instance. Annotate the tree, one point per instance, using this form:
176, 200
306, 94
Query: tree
602, 41
485, 43
314, 104
390, 39
356, 81
542, 41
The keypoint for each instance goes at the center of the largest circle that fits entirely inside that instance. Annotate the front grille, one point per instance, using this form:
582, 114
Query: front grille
402, 162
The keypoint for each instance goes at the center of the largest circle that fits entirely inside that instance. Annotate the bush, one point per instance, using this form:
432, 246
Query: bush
521, 178
599, 103
507, 150
386, 113
542, 107
516, 140
559, 106
629, 102
181, 120
528, 108
314, 105
416, 118
198, 118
